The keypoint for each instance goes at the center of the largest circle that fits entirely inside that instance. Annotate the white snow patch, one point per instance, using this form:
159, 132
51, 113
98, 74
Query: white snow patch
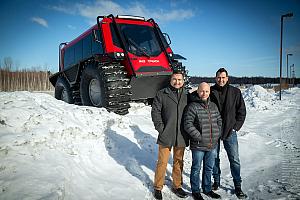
256, 97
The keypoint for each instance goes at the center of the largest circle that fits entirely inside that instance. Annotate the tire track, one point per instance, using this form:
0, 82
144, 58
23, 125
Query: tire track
290, 165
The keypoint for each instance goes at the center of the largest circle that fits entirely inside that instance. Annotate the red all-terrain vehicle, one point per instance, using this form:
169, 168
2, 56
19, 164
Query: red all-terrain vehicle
118, 60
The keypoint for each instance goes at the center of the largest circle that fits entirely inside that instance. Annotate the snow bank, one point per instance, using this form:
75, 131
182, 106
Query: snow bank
260, 99
256, 97
53, 150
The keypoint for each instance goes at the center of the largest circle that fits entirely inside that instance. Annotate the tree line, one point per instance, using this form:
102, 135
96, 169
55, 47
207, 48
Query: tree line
14, 79
37, 79
244, 80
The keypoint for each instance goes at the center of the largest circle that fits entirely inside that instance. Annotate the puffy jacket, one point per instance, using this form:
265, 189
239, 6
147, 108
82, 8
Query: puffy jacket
166, 113
202, 122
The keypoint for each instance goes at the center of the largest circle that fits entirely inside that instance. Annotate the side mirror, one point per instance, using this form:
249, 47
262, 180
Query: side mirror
167, 37
95, 37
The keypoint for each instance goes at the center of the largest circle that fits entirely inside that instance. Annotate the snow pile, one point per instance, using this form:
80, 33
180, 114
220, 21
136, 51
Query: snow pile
53, 150
38, 119
256, 97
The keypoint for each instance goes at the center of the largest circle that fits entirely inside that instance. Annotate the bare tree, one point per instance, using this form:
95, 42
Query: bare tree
8, 62
18, 78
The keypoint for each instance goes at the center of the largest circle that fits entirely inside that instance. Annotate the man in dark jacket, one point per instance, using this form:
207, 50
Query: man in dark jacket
202, 122
233, 112
166, 113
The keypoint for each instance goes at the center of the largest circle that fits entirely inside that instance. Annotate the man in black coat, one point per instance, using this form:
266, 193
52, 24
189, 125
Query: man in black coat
167, 110
231, 105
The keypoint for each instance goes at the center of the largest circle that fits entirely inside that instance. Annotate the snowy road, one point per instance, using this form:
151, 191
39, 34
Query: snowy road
278, 125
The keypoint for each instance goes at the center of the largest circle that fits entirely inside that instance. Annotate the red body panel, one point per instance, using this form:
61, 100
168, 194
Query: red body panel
160, 62
142, 61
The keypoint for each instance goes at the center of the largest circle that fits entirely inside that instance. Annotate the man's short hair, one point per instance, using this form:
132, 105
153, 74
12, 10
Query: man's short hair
177, 71
221, 70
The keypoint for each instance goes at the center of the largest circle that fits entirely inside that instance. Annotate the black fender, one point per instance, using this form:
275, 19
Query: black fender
53, 78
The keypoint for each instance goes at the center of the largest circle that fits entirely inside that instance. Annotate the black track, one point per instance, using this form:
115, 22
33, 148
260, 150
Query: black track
117, 88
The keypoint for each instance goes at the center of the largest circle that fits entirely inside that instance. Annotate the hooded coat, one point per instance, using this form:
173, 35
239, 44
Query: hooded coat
233, 109
203, 123
166, 113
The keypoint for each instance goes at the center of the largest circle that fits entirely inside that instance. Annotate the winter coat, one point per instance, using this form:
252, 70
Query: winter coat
233, 112
203, 123
166, 115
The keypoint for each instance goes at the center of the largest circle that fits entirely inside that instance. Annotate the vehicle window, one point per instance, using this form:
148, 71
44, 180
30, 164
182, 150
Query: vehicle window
139, 40
97, 46
78, 51
69, 57
87, 46
114, 36
163, 39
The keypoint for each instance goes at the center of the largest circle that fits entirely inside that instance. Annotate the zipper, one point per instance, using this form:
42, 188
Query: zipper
209, 117
178, 101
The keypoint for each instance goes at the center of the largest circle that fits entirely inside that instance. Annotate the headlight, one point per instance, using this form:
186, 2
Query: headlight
119, 55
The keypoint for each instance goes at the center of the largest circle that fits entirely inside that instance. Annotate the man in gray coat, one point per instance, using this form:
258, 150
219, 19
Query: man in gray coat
167, 110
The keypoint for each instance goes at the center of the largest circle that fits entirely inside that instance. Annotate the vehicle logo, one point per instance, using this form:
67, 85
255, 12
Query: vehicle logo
153, 61
149, 61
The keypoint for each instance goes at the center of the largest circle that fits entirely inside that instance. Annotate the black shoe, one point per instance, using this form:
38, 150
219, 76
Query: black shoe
197, 196
157, 194
180, 192
215, 186
239, 193
213, 195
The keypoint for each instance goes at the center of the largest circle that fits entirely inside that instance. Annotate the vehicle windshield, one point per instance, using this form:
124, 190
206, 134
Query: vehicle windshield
140, 40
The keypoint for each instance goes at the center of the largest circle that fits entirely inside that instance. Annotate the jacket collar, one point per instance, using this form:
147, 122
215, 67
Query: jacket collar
168, 90
171, 94
219, 88
194, 97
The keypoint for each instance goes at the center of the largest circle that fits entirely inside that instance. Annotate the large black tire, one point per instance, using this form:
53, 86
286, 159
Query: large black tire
105, 86
63, 90
92, 90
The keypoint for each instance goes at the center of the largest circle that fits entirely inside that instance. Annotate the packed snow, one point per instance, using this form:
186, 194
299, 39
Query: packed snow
53, 150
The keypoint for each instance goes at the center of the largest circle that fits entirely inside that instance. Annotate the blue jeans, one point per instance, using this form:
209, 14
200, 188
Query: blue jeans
208, 158
232, 149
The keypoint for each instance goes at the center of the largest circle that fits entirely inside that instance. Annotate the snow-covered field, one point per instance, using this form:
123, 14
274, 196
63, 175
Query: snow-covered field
53, 150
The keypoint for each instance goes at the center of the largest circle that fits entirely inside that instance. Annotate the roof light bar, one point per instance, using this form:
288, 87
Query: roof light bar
130, 17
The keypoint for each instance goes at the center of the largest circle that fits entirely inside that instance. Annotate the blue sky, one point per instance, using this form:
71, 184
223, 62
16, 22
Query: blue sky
243, 36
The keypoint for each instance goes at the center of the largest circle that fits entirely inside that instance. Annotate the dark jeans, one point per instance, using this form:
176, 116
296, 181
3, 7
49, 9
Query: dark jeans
208, 158
232, 149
